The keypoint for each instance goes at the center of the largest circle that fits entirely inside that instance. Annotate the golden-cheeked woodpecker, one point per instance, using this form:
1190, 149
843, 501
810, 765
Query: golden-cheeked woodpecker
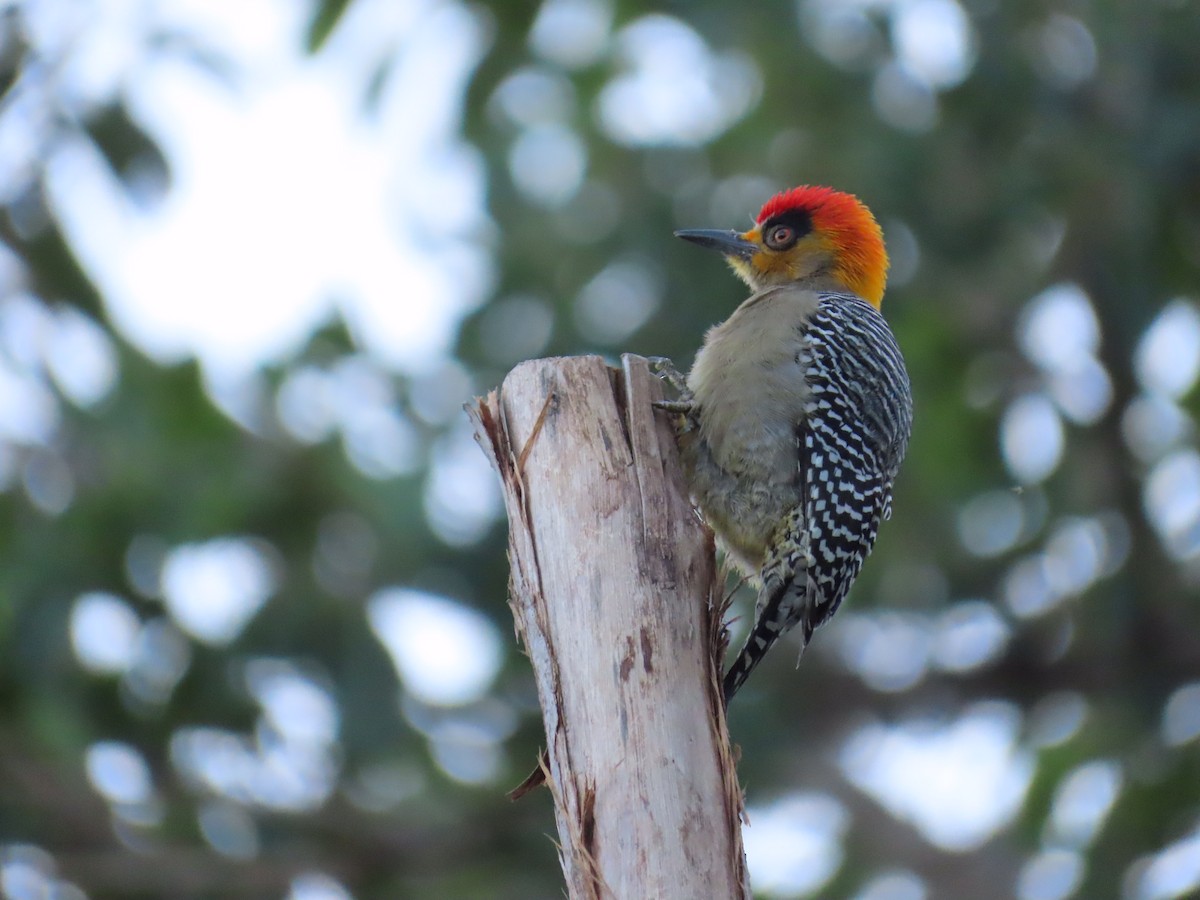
794, 419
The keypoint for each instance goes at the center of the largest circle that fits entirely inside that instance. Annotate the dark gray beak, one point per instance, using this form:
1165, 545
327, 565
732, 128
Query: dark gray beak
730, 243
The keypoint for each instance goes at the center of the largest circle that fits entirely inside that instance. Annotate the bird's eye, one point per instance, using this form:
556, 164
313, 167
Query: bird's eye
780, 237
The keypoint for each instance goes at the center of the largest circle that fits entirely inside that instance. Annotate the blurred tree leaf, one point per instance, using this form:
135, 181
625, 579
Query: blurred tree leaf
324, 20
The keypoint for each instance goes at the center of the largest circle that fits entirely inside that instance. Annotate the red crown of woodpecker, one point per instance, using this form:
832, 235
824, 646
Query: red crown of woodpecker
847, 229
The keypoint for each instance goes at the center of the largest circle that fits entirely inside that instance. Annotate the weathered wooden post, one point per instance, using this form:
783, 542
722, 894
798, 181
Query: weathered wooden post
615, 596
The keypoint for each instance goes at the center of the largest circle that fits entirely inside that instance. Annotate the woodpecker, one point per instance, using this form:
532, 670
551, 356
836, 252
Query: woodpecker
796, 414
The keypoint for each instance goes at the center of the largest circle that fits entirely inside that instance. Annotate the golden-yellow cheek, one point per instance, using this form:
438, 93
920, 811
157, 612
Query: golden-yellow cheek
809, 254
771, 263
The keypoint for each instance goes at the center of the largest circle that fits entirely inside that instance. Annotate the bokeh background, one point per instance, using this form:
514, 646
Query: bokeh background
256, 254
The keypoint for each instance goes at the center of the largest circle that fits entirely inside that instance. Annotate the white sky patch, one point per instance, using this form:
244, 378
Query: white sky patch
968, 635
214, 589
840, 31
462, 496
28, 871
29, 411
619, 300
317, 886
1181, 715
894, 886
445, 653
793, 846
572, 33
548, 163
466, 752
533, 95
80, 357
1083, 393
1031, 438
1060, 332
1153, 424
903, 100
934, 40
1056, 719
118, 772
305, 404
889, 651
24, 321
294, 705
1082, 802
379, 440
1171, 497
287, 203
59, 341
48, 481
282, 775
104, 632
1059, 328
1027, 589
672, 89
1076, 554
520, 327
1051, 875
161, 657
990, 524
1167, 359
356, 397
228, 829
1172, 872
957, 783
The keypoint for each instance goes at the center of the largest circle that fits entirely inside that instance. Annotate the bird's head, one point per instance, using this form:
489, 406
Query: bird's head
808, 234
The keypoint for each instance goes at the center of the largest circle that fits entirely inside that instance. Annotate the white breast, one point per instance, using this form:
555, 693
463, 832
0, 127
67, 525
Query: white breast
750, 385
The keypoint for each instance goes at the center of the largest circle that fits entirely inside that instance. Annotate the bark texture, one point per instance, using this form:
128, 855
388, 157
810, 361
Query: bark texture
615, 597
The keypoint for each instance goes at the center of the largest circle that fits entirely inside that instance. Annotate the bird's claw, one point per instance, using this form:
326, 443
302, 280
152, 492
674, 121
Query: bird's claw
682, 410
665, 369
680, 407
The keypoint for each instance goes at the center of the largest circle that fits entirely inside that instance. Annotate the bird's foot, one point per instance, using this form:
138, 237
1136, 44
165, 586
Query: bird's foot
683, 410
665, 369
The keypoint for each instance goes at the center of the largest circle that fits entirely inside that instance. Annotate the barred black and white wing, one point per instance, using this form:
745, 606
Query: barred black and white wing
849, 445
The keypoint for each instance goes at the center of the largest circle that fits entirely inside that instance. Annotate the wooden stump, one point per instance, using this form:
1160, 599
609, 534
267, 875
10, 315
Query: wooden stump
615, 597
